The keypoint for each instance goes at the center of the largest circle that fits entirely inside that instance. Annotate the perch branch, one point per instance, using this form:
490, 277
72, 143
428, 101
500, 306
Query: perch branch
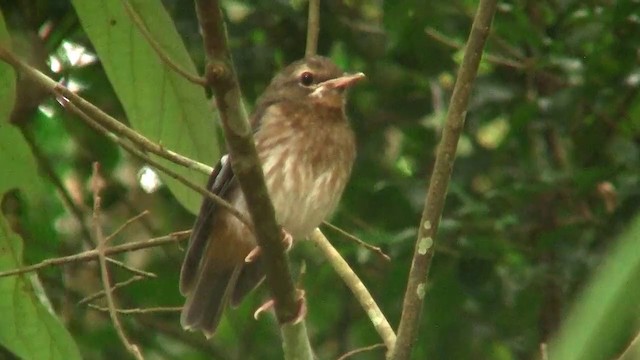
220, 74
437, 192
360, 291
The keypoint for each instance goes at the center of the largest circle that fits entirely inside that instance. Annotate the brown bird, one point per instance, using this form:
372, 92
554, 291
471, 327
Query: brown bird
307, 149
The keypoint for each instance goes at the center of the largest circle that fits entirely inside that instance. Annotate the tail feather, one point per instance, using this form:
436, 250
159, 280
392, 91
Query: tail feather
208, 299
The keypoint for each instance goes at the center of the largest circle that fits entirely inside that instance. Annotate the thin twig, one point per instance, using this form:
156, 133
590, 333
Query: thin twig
313, 28
158, 309
139, 23
115, 287
100, 116
358, 241
360, 350
132, 269
114, 130
126, 223
437, 192
93, 254
356, 286
71, 107
496, 59
101, 248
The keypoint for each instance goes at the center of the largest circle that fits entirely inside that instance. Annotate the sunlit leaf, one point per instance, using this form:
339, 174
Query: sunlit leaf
158, 102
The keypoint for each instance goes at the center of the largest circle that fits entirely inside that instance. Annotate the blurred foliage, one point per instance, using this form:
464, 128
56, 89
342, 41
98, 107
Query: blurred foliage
547, 176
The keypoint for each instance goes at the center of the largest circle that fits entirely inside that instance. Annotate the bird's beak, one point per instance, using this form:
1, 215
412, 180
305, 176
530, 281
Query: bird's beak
344, 81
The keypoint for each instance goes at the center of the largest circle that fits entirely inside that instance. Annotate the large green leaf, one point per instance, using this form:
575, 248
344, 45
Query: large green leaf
28, 326
610, 302
159, 103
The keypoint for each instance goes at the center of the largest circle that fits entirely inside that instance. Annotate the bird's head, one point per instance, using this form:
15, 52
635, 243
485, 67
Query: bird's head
315, 79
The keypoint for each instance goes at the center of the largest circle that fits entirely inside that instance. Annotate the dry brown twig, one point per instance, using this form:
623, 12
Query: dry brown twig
93, 254
101, 241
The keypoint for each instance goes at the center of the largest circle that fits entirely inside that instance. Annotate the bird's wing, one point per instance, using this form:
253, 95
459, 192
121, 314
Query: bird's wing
221, 181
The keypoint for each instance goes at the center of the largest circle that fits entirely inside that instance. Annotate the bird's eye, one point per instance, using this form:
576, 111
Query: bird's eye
306, 78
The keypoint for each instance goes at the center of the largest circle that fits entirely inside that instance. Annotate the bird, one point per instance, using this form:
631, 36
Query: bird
307, 149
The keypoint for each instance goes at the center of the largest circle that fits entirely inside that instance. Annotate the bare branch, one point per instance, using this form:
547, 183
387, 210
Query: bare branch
101, 117
127, 223
115, 287
101, 247
172, 309
496, 59
132, 269
437, 192
131, 149
93, 254
221, 76
358, 241
313, 28
360, 291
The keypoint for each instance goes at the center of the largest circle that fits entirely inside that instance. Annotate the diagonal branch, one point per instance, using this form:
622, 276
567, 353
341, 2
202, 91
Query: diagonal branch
100, 116
222, 79
102, 259
434, 202
357, 288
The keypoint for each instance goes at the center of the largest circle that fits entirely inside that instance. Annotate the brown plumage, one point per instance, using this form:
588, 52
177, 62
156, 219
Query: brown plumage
307, 148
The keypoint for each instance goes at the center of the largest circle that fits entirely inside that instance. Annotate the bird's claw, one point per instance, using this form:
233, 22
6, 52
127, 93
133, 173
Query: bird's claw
287, 240
302, 307
253, 254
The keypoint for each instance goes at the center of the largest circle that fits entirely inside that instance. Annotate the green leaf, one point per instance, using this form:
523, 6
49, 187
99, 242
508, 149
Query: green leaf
610, 302
28, 326
7, 78
159, 103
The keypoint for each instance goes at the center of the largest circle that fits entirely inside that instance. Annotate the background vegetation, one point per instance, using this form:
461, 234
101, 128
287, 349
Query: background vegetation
546, 181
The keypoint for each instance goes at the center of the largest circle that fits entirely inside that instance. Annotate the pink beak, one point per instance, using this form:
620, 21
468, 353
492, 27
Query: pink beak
344, 81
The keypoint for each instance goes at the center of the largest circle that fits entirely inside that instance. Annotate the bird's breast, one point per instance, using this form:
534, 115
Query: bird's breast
306, 172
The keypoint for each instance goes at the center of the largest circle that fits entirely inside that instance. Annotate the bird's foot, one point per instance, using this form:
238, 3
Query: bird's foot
253, 254
302, 307
287, 240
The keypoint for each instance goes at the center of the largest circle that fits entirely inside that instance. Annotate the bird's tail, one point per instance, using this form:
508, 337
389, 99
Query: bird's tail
207, 300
